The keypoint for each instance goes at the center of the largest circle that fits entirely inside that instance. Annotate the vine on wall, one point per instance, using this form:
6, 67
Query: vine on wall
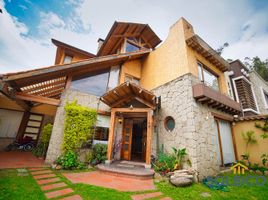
79, 121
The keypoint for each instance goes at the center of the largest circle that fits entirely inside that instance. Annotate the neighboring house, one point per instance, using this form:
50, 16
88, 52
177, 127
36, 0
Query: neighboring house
147, 97
248, 88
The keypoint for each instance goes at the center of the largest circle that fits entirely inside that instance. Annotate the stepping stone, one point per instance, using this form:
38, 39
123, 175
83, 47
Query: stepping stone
37, 168
74, 197
41, 172
45, 181
52, 186
44, 176
22, 170
58, 193
166, 198
146, 196
23, 174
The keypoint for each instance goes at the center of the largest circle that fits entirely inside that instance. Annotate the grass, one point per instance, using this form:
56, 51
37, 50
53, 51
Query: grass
13, 187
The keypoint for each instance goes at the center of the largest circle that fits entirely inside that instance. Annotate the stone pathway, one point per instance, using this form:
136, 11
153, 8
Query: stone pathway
158, 195
52, 185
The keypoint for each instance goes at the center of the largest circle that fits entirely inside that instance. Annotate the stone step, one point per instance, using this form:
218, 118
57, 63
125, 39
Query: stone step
45, 181
43, 176
73, 197
37, 168
146, 196
166, 198
41, 172
58, 193
53, 186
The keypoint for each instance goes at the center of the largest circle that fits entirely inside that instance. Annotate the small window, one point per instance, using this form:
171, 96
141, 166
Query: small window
207, 77
101, 133
169, 123
265, 94
131, 47
67, 59
132, 79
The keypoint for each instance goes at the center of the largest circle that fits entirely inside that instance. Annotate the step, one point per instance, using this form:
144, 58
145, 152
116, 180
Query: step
45, 181
41, 172
146, 196
73, 197
58, 193
53, 186
44, 176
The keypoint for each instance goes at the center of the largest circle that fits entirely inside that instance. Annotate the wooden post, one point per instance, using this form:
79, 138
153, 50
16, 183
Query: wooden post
149, 136
111, 136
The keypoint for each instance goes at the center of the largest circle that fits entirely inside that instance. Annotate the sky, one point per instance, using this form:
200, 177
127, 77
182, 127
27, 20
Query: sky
27, 26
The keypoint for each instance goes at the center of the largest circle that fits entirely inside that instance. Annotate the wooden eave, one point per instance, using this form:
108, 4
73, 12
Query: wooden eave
125, 93
215, 99
250, 118
120, 30
200, 46
72, 48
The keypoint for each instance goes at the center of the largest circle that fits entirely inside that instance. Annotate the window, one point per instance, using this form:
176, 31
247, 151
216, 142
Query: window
131, 79
265, 97
131, 47
67, 59
169, 123
101, 133
207, 77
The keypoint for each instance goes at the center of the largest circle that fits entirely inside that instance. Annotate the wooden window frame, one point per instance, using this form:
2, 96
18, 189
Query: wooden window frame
126, 74
264, 92
210, 71
165, 123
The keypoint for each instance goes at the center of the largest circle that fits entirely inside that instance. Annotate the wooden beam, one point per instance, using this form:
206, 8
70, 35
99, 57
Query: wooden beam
122, 100
68, 82
132, 110
150, 123
39, 99
220, 144
111, 136
145, 102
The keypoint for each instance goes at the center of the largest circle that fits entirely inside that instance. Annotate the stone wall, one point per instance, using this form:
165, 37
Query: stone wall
259, 85
69, 95
194, 125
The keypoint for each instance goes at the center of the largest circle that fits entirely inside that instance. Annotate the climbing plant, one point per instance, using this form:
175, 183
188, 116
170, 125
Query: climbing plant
249, 138
264, 128
78, 125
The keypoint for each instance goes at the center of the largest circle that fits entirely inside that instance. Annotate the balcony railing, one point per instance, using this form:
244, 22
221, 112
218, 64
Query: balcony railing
215, 99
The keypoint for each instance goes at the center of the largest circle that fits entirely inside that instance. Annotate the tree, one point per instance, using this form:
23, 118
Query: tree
221, 48
260, 66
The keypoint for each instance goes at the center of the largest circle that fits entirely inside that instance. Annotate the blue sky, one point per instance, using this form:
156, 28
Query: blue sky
28, 25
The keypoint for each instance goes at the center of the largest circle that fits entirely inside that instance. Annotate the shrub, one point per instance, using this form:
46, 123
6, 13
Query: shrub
99, 153
40, 150
164, 163
69, 160
78, 125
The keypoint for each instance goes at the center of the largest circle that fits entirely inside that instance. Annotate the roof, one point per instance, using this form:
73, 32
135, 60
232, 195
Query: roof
72, 48
50, 81
125, 93
199, 45
253, 117
120, 30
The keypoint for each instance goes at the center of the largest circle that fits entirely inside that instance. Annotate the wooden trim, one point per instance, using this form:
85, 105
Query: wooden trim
129, 110
219, 137
111, 136
145, 102
39, 99
102, 112
220, 116
23, 125
68, 82
150, 125
234, 142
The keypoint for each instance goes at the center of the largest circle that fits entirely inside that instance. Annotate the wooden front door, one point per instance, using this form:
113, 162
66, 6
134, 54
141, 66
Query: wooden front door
127, 139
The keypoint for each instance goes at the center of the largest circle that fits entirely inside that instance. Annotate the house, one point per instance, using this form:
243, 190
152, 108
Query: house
148, 96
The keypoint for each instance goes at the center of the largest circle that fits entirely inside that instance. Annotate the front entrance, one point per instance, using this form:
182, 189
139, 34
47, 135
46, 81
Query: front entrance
134, 139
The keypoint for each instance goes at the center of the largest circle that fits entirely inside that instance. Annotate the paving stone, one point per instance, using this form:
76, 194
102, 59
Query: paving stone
45, 181
73, 197
44, 176
22, 170
41, 172
146, 196
166, 198
23, 174
58, 193
53, 186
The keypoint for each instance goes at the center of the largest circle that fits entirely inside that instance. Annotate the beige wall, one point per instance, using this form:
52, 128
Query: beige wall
174, 59
255, 150
132, 68
9, 104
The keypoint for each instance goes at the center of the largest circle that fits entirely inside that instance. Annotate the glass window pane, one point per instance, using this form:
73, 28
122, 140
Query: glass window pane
95, 85
210, 79
200, 72
67, 59
131, 47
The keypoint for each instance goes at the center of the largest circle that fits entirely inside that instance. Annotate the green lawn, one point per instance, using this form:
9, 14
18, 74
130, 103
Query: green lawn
24, 187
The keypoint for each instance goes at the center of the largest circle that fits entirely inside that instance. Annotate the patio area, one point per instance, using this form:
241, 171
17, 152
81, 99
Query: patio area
18, 159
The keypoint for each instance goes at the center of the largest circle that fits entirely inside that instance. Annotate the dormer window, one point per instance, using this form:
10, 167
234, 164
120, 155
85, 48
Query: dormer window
67, 59
130, 47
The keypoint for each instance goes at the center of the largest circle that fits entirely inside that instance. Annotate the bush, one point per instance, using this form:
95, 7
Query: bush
78, 125
164, 163
40, 150
99, 153
69, 160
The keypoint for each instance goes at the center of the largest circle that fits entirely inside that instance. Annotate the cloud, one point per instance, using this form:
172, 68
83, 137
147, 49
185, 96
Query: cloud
236, 22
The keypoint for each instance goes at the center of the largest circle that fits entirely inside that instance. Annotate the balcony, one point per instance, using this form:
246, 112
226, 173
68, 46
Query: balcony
215, 99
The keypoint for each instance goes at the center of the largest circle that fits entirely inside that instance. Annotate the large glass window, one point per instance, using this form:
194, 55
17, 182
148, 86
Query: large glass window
131, 47
67, 59
96, 85
207, 77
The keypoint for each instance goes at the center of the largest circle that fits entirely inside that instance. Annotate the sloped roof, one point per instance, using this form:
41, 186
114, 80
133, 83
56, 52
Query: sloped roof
120, 30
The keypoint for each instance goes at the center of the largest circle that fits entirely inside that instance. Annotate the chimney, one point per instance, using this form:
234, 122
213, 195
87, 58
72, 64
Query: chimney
100, 41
